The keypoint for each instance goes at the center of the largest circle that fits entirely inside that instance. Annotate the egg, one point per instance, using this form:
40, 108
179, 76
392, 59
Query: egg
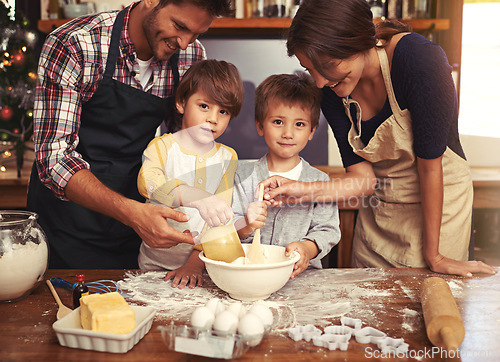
202, 318
226, 323
216, 306
264, 313
251, 329
238, 309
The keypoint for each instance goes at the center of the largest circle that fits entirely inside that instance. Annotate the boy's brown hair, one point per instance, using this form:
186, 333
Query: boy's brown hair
218, 79
290, 89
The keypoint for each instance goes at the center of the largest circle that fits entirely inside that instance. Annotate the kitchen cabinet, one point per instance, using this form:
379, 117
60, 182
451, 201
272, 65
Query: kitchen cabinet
232, 26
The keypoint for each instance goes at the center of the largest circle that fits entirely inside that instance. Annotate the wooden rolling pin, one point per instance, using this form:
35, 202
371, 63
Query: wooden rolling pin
443, 322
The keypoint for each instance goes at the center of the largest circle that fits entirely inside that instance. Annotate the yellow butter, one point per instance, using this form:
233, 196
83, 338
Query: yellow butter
107, 313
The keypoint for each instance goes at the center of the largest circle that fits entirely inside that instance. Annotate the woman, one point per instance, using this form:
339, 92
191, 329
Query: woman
390, 99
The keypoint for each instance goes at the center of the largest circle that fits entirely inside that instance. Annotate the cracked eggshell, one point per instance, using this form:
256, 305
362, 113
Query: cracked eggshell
238, 309
216, 306
202, 318
225, 323
251, 329
264, 313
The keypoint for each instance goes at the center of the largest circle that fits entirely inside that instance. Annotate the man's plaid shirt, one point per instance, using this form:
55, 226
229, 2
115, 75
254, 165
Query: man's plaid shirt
72, 63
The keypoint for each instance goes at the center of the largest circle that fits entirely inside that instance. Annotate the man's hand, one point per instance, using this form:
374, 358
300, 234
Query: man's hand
150, 223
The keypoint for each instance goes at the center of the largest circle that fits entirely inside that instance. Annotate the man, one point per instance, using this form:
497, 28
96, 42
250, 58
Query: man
105, 83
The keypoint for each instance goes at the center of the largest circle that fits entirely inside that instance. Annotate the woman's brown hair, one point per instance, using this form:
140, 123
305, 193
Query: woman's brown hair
336, 29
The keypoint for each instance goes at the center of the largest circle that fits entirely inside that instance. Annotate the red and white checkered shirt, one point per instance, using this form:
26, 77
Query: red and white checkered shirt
72, 63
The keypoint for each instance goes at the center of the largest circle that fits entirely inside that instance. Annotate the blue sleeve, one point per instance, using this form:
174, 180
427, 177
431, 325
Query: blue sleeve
423, 83
333, 110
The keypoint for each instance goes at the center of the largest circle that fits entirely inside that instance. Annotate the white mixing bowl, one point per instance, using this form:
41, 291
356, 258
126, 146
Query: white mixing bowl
249, 282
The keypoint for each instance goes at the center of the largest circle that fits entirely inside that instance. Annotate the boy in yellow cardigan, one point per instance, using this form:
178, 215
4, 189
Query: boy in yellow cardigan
189, 170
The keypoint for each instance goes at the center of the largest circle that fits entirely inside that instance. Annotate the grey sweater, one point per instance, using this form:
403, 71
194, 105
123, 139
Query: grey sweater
290, 222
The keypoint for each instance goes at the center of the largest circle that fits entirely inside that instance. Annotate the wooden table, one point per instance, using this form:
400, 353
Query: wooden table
384, 299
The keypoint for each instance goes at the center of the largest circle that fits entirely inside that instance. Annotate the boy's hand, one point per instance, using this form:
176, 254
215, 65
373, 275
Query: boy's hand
191, 273
256, 215
307, 250
303, 262
214, 210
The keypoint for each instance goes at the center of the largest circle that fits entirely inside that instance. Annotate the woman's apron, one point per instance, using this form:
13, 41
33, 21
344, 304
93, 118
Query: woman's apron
117, 124
389, 228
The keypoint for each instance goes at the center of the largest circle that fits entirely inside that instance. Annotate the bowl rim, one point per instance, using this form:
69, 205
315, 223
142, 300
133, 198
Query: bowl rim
22, 215
293, 258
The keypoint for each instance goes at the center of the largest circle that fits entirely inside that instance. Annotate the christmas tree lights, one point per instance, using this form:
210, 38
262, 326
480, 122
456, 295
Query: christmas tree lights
17, 83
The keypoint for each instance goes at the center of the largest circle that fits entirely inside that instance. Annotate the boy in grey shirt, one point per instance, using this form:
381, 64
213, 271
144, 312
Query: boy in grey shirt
287, 109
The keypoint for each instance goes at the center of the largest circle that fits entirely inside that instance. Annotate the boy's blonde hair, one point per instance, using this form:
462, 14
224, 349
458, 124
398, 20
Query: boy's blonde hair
290, 89
218, 79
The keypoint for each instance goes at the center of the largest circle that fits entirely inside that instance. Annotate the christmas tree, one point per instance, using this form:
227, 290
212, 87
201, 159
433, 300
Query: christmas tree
17, 82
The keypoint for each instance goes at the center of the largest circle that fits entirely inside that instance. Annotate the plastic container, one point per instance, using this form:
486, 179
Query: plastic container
206, 343
24, 254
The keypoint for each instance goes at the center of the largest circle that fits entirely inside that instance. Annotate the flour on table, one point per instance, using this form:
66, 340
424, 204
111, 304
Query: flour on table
303, 300
150, 289
456, 287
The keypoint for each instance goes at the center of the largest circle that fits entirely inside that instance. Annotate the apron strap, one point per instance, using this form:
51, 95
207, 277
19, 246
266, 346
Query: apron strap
386, 73
114, 48
172, 118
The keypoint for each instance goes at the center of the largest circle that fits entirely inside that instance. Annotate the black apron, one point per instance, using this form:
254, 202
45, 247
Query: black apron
117, 124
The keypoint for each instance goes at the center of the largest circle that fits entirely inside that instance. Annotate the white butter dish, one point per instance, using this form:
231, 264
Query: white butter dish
71, 334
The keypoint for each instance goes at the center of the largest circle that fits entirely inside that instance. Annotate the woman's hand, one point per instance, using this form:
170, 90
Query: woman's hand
279, 189
191, 273
441, 264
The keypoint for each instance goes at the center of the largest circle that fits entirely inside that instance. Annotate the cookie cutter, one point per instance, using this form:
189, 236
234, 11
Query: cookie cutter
393, 346
369, 335
340, 330
307, 332
333, 341
335, 337
351, 322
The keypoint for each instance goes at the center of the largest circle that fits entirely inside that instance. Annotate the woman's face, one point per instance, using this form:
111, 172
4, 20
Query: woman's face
342, 76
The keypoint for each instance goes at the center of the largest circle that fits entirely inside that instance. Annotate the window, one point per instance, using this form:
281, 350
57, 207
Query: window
480, 69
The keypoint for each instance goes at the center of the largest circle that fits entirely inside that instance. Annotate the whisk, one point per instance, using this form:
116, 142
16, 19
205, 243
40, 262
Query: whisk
99, 286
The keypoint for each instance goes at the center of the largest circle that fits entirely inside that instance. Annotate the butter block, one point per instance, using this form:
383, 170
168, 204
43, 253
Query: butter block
108, 312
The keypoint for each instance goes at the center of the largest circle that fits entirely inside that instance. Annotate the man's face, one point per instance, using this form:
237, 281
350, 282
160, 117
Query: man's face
173, 27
